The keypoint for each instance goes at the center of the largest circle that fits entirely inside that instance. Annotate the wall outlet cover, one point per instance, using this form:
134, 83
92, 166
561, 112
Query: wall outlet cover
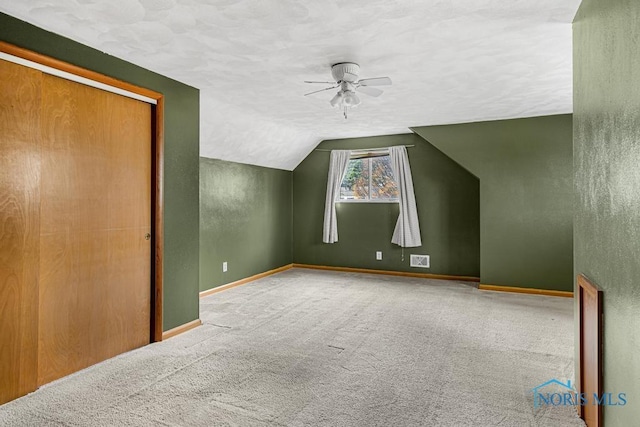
224, 267
379, 255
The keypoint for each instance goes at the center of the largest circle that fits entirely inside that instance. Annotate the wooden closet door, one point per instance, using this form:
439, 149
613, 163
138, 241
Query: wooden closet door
95, 259
19, 228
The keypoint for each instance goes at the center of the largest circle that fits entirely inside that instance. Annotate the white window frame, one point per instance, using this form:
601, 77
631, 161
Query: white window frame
369, 154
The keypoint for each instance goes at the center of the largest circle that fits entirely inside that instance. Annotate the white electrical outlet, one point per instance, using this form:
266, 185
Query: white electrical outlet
379, 255
224, 267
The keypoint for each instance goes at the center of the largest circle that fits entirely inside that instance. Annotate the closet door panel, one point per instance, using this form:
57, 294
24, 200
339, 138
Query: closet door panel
95, 283
19, 228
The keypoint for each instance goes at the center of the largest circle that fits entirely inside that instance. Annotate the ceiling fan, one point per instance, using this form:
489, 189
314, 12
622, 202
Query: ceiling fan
345, 75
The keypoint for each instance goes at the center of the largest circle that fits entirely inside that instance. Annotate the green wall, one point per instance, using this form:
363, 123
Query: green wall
607, 182
526, 195
181, 157
245, 220
447, 201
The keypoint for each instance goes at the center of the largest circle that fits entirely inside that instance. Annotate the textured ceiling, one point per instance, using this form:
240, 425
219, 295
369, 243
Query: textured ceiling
450, 61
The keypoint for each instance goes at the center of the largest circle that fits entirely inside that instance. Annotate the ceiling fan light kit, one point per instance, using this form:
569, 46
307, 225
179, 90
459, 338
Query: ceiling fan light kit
346, 75
350, 99
336, 100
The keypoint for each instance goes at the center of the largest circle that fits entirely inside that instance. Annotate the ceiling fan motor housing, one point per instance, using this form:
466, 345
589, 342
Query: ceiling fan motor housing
345, 71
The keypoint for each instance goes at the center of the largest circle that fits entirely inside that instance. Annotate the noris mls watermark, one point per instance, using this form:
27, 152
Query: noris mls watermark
546, 394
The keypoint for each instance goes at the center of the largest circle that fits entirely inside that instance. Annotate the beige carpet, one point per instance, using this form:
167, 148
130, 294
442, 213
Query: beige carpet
308, 347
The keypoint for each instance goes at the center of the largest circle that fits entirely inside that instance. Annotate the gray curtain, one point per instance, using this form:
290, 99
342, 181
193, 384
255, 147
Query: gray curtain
407, 231
337, 168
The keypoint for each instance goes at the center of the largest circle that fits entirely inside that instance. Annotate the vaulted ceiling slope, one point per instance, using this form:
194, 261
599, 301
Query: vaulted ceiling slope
450, 61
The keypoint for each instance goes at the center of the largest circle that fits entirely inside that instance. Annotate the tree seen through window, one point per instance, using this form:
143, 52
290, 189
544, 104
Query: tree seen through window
369, 179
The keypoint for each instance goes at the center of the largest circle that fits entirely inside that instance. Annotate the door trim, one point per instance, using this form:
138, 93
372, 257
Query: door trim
585, 286
156, 100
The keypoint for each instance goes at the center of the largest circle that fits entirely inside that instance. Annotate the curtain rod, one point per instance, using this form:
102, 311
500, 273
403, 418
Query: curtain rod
364, 149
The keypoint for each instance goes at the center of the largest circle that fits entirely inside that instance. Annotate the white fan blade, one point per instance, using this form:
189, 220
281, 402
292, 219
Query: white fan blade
348, 77
324, 83
321, 90
377, 81
371, 91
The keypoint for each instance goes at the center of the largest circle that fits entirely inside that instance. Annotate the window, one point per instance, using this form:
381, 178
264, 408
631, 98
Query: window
369, 179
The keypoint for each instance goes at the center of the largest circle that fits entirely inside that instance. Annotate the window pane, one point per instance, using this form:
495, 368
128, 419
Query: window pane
355, 185
383, 184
